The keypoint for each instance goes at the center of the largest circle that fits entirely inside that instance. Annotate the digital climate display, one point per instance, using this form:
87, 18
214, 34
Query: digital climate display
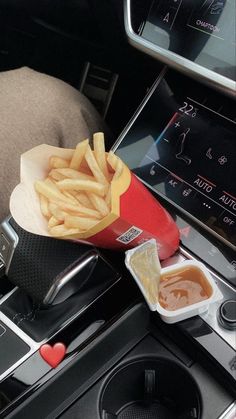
183, 145
202, 31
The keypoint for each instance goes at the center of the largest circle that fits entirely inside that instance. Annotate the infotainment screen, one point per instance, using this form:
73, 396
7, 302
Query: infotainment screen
183, 145
202, 31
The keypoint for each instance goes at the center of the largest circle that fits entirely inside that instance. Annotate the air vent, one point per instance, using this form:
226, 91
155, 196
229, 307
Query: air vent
139, 12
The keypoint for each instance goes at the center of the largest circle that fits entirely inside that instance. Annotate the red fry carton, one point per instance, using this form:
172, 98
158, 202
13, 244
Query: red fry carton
136, 216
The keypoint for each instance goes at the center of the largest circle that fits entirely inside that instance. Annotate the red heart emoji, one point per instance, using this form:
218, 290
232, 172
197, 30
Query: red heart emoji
53, 355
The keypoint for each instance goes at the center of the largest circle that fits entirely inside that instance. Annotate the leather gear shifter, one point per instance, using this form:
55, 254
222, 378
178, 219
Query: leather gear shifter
46, 268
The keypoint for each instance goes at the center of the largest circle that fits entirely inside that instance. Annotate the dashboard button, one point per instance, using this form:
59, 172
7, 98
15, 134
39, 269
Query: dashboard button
186, 195
152, 174
225, 225
172, 186
166, 14
205, 209
227, 314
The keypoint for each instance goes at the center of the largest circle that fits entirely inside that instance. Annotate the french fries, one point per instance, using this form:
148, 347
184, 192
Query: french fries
58, 162
76, 194
99, 203
94, 167
82, 185
99, 152
78, 155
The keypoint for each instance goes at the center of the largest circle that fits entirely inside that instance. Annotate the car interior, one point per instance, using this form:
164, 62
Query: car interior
162, 76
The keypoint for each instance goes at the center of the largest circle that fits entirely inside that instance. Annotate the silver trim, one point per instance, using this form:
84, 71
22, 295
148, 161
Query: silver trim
33, 346
209, 77
6, 229
139, 109
230, 412
2, 265
6, 296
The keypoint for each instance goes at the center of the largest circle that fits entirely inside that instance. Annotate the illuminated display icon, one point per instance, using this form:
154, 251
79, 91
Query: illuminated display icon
206, 18
186, 192
208, 153
152, 170
217, 7
222, 160
180, 154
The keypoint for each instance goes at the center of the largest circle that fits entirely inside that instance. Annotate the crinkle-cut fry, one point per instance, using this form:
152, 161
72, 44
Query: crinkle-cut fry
84, 200
82, 223
56, 162
99, 203
95, 169
56, 175
61, 231
100, 153
108, 197
44, 206
79, 154
79, 210
82, 185
56, 211
53, 221
73, 174
51, 192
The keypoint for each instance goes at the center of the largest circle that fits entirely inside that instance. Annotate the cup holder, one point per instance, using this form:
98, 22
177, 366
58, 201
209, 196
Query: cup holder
149, 388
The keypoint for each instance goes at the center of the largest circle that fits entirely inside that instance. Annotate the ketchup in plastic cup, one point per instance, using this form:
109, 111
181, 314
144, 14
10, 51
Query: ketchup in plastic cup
193, 288
176, 292
135, 217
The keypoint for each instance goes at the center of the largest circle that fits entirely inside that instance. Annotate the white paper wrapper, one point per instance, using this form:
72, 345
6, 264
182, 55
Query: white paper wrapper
24, 201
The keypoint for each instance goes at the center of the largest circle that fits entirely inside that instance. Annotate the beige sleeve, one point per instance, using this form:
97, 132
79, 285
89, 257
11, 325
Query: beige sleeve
35, 109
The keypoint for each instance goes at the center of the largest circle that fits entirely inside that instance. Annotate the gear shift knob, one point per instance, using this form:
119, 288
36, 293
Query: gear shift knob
72, 279
47, 269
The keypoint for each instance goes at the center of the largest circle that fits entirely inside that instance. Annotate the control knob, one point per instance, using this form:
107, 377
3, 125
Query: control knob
227, 314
